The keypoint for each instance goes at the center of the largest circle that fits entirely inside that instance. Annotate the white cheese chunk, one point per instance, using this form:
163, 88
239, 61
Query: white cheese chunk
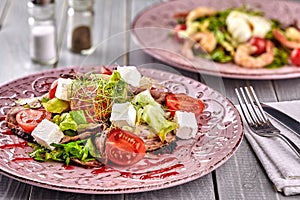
243, 26
130, 75
63, 90
123, 114
261, 26
47, 133
187, 124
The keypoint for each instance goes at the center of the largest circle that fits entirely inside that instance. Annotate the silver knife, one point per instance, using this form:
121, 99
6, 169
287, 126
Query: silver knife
283, 118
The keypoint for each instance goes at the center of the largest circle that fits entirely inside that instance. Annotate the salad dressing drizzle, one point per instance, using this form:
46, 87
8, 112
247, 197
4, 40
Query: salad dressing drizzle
22, 159
160, 173
9, 146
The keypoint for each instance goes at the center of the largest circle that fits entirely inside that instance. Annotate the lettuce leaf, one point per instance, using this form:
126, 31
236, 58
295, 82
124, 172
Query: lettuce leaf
65, 122
62, 152
78, 116
70, 121
56, 105
154, 116
151, 113
144, 98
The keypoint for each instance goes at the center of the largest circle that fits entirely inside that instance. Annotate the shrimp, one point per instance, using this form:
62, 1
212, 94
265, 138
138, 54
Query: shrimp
243, 56
206, 40
294, 43
199, 12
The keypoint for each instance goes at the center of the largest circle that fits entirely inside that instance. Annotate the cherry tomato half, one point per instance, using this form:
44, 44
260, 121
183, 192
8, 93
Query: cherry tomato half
179, 27
53, 89
260, 44
124, 148
295, 57
28, 119
184, 103
105, 70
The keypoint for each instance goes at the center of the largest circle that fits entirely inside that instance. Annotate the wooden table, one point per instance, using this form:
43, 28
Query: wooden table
241, 177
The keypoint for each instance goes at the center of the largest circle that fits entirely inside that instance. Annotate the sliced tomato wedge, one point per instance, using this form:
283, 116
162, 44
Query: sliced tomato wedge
183, 102
53, 89
105, 70
28, 119
295, 57
124, 148
179, 27
260, 44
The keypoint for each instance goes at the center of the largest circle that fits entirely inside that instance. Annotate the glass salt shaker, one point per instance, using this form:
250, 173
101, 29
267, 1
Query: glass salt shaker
43, 43
80, 26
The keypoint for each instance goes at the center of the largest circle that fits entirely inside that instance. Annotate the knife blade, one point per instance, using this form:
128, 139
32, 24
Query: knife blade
283, 118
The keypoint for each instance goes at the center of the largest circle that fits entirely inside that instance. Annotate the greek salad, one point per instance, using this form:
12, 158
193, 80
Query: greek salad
110, 117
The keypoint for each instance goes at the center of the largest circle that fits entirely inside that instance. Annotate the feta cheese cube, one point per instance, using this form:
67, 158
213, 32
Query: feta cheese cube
187, 124
63, 90
47, 133
123, 114
130, 75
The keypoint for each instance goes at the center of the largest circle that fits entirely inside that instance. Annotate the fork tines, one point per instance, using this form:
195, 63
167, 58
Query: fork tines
250, 106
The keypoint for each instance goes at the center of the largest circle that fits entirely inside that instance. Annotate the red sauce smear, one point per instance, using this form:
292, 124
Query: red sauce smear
68, 167
103, 170
6, 132
165, 175
2, 118
22, 159
9, 146
160, 173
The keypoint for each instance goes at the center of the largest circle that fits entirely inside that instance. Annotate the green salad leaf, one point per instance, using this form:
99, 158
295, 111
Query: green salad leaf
70, 121
219, 55
281, 58
151, 113
78, 116
56, 105
154, 116
142, 99
62, 152
65, 122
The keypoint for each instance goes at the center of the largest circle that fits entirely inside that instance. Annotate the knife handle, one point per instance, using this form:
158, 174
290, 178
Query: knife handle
283, 118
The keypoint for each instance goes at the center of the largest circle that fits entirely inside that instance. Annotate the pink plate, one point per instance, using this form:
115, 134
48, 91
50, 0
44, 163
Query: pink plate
152, 27
219, 135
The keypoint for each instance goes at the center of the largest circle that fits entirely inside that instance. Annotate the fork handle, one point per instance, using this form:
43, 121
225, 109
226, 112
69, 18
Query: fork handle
291, 144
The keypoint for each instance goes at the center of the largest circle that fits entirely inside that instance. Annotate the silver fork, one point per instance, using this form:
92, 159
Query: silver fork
257, 119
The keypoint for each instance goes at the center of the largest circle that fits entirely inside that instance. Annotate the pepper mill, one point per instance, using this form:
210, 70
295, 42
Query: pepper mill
43, 43
80, 26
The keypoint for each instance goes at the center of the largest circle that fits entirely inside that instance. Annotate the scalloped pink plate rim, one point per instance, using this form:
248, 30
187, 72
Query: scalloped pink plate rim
164, 183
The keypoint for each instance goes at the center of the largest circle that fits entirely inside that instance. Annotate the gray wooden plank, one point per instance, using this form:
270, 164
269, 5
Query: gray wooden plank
201, 188
12, 189
5, 8
15, 57
287, 90
41, 193
242, 177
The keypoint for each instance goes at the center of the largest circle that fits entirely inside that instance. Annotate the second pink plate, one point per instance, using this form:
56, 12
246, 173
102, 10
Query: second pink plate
152, 27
